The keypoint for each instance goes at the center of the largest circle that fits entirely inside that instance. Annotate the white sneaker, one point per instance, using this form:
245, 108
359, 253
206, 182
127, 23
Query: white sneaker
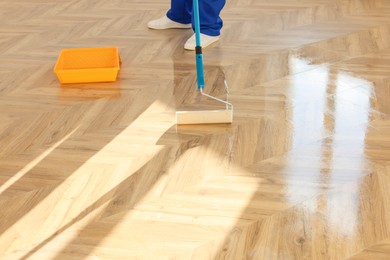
205, 41
166, 23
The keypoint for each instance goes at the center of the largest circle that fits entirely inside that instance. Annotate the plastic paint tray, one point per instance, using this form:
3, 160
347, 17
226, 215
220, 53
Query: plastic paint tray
84, 65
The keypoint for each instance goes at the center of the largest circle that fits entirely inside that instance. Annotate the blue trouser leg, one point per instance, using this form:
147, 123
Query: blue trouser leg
181, 11
210, 22
209, 10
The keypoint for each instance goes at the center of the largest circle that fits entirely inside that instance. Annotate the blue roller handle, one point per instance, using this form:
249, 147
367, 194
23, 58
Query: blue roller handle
198, 49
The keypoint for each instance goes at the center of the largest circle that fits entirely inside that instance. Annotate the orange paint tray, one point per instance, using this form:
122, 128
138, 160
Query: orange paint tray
85, 65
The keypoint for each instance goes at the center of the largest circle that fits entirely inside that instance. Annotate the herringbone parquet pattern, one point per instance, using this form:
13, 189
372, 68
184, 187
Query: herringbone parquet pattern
100, 171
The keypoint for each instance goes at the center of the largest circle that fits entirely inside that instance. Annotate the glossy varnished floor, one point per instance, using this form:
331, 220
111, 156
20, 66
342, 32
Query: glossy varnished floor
100, 171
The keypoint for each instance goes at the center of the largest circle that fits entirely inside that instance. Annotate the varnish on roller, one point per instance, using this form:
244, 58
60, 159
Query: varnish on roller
204, 116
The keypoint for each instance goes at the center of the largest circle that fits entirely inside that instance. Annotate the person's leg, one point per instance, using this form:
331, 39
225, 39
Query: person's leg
180, 16
181, 11
210, 21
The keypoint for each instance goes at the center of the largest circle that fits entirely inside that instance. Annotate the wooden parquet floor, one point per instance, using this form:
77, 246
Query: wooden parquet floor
100, 171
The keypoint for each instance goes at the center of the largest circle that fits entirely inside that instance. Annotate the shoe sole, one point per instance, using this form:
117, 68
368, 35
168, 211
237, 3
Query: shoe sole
170, 27
203, 47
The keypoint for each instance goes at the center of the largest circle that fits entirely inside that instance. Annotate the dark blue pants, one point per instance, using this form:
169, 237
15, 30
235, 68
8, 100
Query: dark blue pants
209, 10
